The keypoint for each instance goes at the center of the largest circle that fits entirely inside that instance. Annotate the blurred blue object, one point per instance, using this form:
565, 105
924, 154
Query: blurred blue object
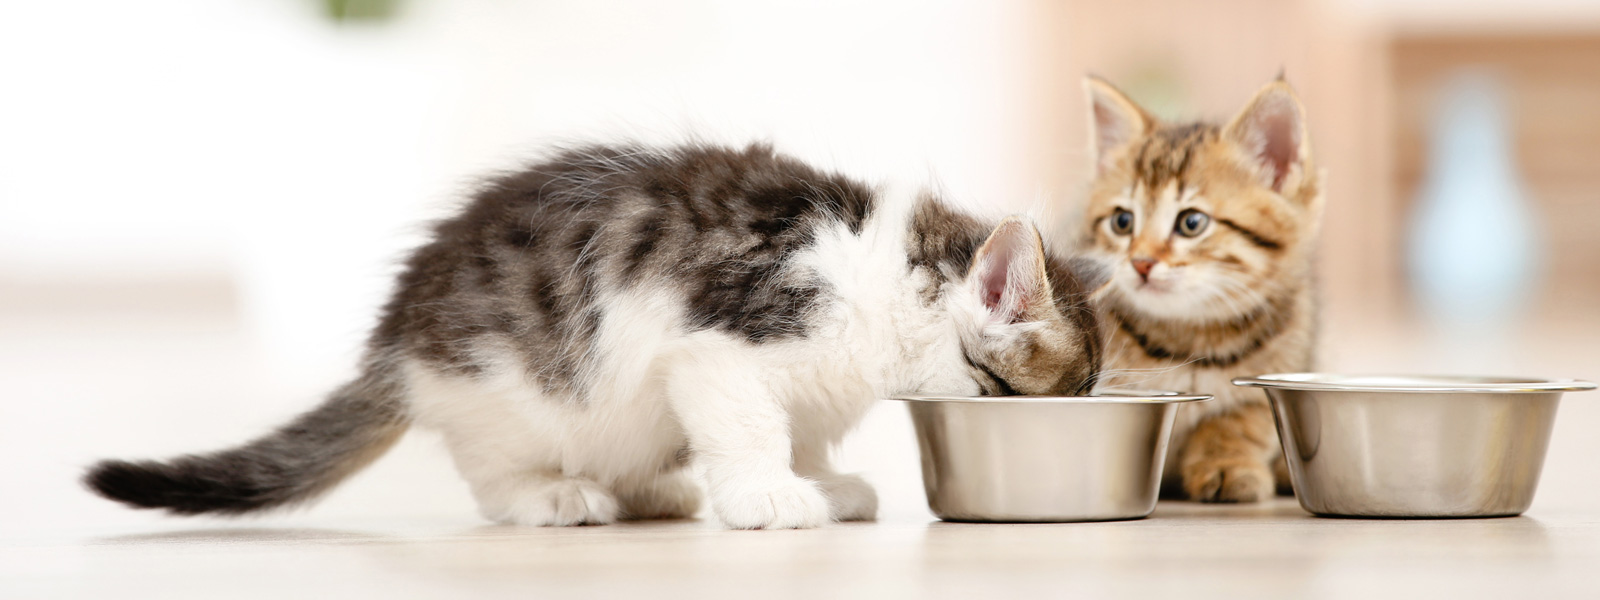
1473, 257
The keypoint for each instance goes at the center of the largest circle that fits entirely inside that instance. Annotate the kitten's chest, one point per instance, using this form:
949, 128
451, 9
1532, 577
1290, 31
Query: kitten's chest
1127, 365
1206, 361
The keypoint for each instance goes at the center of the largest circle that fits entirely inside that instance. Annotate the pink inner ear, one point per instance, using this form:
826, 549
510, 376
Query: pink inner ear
1111, 129
1277, 129
1006, 248
994, 280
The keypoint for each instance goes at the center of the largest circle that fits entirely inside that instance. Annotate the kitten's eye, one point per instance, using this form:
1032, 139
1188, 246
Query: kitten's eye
1192, 222
1122, 222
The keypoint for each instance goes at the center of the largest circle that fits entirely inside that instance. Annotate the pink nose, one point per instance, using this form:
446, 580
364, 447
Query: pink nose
1143, 266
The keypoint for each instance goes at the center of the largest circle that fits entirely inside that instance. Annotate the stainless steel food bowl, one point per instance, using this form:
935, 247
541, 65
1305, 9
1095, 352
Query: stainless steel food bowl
1413, 446
1044, 458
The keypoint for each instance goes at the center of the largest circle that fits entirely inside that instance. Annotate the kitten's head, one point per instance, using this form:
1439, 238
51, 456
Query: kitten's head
1201, 222
1023, 317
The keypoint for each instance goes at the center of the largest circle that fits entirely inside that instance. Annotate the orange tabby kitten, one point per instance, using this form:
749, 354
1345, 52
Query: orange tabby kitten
1210, 232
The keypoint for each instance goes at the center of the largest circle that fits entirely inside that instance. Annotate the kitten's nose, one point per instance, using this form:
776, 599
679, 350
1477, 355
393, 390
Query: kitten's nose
1143, 266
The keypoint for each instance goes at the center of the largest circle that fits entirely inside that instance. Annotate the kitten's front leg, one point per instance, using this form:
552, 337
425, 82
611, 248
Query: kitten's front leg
1228, 456
739, 432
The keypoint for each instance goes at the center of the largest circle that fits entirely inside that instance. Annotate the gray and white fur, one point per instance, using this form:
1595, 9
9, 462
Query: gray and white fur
588, 325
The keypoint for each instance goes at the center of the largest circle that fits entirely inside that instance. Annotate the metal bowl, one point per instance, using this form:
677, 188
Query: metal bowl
1413, 446
1044, 459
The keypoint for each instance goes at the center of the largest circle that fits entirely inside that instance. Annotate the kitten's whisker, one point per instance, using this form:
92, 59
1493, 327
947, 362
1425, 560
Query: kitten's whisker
1149, 373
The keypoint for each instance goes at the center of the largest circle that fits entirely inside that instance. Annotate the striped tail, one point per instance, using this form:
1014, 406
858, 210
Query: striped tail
293, 464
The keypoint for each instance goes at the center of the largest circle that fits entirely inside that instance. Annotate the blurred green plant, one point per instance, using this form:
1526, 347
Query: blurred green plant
1156, 83
361, 11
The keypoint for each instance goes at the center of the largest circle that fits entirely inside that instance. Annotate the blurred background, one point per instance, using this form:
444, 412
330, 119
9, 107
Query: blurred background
202, 202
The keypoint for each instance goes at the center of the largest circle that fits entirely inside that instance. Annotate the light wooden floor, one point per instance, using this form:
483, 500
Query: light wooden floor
1184, 550
78, 385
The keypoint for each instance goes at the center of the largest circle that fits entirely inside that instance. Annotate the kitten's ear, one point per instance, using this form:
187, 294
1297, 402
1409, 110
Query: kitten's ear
1008, 272
1272, 131
1114, 121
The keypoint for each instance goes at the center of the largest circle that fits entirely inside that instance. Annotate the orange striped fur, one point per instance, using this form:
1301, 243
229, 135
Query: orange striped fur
1195, 301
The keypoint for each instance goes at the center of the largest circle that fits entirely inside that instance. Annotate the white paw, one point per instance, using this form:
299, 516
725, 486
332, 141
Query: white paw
560, 502
674, 496
791, 503
850, 498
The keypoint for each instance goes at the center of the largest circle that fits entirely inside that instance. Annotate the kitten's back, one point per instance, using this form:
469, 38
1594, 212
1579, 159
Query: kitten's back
530, 258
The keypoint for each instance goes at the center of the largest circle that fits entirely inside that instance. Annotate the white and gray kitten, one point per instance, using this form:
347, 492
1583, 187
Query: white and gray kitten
586, 327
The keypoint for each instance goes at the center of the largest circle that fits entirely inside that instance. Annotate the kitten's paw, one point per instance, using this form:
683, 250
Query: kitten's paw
791, 503
850, 498
1231, 479
674, 496
560, 502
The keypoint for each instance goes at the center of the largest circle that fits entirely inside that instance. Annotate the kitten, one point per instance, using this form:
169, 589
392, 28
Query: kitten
585, 327
1211, 232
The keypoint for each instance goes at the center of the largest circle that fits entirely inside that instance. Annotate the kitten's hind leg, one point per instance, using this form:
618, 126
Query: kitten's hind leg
513, 487
507, 442
739, 432
669, 495
547, 499
850, 498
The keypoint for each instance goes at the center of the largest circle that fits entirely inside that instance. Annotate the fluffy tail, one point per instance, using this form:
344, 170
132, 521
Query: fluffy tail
293, 464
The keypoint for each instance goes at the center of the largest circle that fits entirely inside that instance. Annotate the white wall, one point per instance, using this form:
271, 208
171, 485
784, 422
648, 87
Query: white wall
256, 140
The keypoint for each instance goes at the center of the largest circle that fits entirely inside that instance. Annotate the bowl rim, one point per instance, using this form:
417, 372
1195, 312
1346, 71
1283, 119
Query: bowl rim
1427, 384
1109, 397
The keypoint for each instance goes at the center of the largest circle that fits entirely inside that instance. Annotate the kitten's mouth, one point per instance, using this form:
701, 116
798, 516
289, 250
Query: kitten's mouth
1154, 287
